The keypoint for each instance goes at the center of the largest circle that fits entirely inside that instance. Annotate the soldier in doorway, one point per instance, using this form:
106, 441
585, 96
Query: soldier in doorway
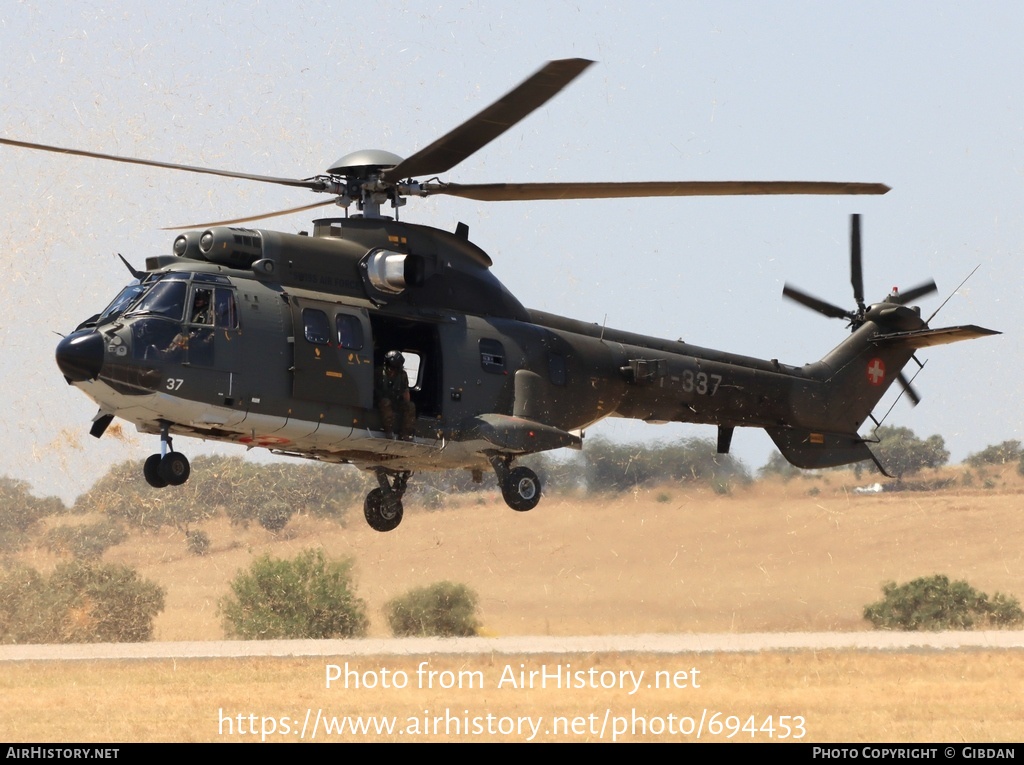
392, 394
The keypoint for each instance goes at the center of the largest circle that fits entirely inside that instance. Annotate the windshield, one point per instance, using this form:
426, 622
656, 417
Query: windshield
124, 299
166, 298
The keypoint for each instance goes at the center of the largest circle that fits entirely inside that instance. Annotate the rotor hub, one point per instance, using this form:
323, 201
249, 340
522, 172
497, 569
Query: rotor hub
364, 164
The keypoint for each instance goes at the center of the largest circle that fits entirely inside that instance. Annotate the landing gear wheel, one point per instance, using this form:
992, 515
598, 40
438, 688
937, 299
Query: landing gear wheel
382, 512
521, 489
151, 470
174, 468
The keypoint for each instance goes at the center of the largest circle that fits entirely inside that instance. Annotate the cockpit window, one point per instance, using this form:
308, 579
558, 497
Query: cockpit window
124, 299
227, 316
202, 306
166, 298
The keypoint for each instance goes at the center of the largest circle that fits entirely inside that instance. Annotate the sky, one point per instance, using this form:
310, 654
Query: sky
918, 95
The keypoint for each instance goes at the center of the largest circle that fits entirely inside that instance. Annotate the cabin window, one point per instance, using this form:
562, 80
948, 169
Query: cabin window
316, 326
492, 356
350, 332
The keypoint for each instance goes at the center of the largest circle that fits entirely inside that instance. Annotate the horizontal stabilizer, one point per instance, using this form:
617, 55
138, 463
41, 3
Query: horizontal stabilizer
925, 338
811, 449
518, 434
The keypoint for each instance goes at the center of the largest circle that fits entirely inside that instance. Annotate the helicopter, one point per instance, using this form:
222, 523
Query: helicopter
279, 341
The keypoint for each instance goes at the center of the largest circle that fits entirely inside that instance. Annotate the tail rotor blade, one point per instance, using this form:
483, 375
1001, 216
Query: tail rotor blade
815, 304
909, 296
912, 394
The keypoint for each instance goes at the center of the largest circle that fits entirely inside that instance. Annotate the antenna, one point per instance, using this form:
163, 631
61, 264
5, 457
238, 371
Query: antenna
952, 293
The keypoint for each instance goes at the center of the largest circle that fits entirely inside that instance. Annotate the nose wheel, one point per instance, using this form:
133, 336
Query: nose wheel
168, 468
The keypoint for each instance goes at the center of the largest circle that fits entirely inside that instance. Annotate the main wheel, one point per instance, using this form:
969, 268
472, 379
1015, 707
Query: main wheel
521, 489
381, 512
174, 468
151, 470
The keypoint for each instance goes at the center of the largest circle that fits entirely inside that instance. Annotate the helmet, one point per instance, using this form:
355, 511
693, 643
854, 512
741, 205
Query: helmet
394, 359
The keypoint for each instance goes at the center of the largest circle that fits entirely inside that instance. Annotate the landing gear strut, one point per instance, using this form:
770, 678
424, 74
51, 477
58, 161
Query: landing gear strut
168, 468
520, 486
383, 506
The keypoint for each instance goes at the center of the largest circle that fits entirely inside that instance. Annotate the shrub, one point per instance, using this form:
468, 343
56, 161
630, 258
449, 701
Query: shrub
305, 597
197, 542
444, 609
934, 603
79, 603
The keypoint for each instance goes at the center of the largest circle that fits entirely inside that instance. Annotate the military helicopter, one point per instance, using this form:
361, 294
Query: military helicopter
277, 340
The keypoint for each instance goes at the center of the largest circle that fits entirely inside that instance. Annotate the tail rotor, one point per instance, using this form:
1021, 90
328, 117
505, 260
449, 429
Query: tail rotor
859, 315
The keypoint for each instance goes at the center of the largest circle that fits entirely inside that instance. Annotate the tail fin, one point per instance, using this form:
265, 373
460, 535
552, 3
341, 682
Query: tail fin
822, 431
854, 377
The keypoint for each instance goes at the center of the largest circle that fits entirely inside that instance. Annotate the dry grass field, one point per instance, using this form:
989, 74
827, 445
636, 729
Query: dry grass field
845, 696
805, 555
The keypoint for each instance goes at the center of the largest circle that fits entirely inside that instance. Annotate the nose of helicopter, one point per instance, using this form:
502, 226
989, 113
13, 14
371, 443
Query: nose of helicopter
80, 355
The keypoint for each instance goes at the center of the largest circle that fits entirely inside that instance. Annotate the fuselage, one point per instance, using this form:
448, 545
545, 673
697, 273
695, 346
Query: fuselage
272, 340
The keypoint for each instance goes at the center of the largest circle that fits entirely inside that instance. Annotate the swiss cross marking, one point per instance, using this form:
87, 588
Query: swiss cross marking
876, 371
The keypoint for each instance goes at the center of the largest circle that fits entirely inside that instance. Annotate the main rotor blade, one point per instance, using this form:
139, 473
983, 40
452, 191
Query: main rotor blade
476, 132
316, 185
909, 296
233, 221
816, 304
856, 267
517, 192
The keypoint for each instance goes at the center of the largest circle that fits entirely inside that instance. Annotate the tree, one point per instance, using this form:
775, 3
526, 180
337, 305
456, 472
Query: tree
934, 603
20, 511
274, 516
997, 454
444, 609
85, 541
305, 597
902, 453
777, 465
622, 467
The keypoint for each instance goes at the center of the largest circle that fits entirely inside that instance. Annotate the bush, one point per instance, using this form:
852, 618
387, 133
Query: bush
79, 603
197, 542
305, 597
444, 609
934, 603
